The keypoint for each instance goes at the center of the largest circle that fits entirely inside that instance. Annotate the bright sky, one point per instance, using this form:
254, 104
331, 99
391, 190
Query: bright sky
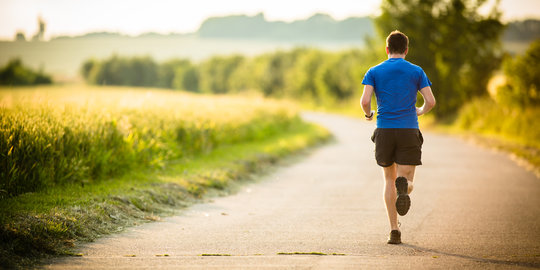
73, 17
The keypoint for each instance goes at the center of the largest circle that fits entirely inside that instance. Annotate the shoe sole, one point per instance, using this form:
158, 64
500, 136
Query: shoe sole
403, 202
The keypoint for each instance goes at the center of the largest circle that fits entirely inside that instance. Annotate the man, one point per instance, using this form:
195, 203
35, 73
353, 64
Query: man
398, 141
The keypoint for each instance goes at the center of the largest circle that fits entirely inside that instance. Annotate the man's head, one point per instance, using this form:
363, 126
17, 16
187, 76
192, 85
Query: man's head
397, 43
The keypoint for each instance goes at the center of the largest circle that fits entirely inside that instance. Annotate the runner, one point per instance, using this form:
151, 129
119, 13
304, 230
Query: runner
398, 140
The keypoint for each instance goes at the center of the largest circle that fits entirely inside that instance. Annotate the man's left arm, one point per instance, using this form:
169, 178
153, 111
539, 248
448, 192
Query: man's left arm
365, 101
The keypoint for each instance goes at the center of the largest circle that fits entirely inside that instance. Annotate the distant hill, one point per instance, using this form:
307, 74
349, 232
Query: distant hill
527, 30
93, 35
319, 27
103, 35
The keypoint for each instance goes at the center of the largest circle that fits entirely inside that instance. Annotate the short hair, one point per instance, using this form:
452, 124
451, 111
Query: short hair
397, 42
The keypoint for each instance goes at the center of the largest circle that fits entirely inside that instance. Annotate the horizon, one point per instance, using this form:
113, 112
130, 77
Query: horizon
187, 33
168, 17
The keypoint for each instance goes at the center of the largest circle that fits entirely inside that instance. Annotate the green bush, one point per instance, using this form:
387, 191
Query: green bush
15, 73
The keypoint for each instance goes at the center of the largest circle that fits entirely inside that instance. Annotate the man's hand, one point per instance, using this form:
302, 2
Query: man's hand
429, 101
419, 111
370, 116
365, 101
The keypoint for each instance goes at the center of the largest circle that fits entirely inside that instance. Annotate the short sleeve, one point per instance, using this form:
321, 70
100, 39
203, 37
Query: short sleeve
368, 78
424, 81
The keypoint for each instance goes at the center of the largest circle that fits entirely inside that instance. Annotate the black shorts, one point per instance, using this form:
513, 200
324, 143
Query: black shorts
400, 145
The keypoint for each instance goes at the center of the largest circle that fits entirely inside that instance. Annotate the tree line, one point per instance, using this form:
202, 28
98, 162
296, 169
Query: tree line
302, 73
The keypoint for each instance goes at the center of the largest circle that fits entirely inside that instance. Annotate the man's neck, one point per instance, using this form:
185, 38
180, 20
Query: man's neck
396, 56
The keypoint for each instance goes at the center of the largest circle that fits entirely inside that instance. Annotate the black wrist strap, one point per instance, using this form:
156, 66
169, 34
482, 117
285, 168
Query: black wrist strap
369, 116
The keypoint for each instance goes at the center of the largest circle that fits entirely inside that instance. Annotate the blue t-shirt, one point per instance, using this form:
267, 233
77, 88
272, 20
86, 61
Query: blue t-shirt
396, 82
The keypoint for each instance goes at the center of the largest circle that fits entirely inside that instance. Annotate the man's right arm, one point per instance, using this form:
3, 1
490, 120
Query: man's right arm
365, 101
429, 101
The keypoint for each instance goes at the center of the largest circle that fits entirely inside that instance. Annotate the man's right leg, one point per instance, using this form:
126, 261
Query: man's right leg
390, 196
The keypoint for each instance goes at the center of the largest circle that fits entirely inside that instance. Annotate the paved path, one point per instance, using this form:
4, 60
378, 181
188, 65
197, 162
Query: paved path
471, 209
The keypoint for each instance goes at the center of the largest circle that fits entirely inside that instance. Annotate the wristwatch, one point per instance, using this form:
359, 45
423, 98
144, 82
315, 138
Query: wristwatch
369, 116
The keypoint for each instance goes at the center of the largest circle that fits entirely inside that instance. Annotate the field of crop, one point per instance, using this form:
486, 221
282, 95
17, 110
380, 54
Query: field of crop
59, 135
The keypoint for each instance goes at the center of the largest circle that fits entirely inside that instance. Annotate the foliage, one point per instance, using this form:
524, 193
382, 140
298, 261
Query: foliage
215, 73
486, 116
178, 74
311, 75
136, 71
186, 77
512, 129
272, 72
308, 74
455, 45
60, 136
15, 73
522, 79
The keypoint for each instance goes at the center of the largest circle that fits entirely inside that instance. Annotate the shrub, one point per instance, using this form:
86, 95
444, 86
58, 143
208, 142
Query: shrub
15, 73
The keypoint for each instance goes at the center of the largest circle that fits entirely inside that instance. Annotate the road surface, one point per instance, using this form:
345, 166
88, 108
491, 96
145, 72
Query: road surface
471, 209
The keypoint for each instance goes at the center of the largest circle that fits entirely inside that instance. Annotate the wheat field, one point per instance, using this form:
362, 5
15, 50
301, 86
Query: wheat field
59, 135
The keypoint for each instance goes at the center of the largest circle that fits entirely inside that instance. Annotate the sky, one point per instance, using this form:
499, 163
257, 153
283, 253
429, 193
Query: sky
133, 17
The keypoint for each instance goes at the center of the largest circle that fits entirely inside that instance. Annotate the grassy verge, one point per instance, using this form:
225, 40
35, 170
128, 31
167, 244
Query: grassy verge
523, 153
511, 129
52, 221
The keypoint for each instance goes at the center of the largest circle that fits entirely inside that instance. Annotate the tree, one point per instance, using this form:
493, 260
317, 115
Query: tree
523, 78
19, 36
186, 76
167, 72
15, 73
342, 74
40, 35
303, 79
274, 67
216, 72
458, 48
136, 71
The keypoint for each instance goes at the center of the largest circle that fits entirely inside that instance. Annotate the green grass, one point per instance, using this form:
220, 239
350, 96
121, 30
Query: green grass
53, 221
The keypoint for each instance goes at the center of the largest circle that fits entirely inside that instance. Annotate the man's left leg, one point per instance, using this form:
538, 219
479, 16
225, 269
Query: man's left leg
403, 188
407, 171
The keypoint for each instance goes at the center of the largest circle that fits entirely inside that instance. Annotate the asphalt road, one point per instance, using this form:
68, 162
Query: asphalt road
471, 209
